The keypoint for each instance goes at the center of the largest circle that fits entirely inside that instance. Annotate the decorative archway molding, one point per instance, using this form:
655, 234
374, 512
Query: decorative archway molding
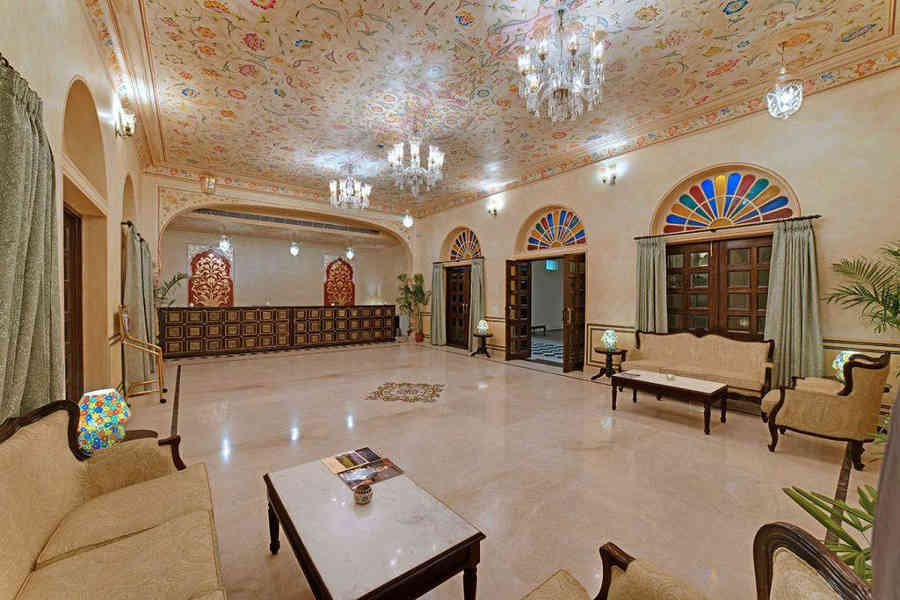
723, 195
82, 138
461, 243
549, 231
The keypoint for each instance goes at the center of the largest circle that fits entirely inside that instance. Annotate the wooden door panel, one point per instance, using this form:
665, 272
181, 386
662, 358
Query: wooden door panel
518, 309
574, 267
72, 305
457, 306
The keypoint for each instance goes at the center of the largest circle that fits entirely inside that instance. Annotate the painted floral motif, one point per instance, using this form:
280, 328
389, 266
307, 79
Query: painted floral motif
254, 42
210, 283
339, 287
263, 4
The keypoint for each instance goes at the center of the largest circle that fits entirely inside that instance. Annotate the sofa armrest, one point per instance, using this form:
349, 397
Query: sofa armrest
627, 577
140, 456
821, 413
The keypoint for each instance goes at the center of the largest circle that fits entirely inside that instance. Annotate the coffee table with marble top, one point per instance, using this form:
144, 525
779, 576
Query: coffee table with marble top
402, 544
685, 388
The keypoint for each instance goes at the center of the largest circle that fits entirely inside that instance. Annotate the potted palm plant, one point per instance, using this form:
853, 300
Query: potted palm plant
413, 299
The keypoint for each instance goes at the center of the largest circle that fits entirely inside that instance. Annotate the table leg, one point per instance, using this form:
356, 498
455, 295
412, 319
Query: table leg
470, 580
614, 397
274, 544
707, 412
724, 406
600, 374
634, 395
484, 347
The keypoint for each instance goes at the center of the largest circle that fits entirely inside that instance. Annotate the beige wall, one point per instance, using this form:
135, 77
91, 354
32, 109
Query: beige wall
51, 44
265, 271
839, 153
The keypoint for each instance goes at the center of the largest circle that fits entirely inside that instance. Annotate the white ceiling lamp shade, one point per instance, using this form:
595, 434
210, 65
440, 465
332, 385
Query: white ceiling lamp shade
350, 253
787, 96
208, 184
295, 249
408, 220
224, 243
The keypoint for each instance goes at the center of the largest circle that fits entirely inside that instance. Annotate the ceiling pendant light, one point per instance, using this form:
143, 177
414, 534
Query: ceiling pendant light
408, 220
349, 253
224, 243
350, 192
787, 97
414, 175
558, 80
295, 249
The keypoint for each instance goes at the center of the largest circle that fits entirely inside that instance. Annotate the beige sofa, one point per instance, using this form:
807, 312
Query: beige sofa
744, 366
129, 522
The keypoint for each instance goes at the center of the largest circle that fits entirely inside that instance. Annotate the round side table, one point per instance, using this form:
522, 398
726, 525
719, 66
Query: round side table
609, 369
482, 345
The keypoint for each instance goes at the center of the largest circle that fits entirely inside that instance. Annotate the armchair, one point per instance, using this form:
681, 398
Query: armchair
828, 409
790, 563
624, 578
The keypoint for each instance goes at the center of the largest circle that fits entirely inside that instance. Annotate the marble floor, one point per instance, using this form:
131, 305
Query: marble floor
537, 461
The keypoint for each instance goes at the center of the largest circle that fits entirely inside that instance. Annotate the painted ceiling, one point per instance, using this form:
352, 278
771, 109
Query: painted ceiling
292, 92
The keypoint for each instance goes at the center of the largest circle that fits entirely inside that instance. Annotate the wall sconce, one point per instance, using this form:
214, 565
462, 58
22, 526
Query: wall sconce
295, 249
493, 206
408, 220
609, 175
125, 123
349, 253
208, 184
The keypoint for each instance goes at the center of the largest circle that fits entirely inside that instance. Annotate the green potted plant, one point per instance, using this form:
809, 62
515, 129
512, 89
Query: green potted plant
164, 292
413, 299
872, 286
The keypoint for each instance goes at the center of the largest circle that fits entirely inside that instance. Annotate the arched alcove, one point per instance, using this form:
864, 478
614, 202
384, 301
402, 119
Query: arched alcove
725, 195
129, 203
461, 244
551, 228
82, 137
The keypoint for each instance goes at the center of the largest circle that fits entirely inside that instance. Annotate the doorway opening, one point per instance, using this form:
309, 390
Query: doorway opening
459, 284
72, 307
545, 312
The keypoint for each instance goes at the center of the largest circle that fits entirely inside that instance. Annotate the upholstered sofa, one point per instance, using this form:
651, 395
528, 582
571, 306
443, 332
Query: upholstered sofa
744, 366
128, 522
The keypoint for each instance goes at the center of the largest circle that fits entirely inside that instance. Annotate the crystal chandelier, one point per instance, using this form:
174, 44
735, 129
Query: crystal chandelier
787, 96
415, 175
350, 192
558, 81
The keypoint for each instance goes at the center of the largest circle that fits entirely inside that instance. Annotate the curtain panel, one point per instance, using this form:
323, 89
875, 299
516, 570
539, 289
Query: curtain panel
476, 301
32, 370
792, 314
438, 318
139, 365
651, 286
885, 558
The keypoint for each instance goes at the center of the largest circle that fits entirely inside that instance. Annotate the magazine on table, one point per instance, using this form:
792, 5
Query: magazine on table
374, 472
350, 460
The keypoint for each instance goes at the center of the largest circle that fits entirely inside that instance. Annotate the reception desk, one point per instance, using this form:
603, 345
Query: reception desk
208, 331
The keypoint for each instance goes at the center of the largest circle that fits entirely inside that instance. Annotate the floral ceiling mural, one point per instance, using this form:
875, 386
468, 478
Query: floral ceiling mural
288, 92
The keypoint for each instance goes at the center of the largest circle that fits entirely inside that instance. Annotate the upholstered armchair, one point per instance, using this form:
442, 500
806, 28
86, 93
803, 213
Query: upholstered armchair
791, 564
624, 578
829, 409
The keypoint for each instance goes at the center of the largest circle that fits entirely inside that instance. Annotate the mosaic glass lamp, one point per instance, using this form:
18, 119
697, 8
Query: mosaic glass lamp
839, 361
482, 327
609, 339
103, 417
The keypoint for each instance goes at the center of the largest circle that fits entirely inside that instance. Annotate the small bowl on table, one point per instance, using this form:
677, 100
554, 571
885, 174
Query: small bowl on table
362, 493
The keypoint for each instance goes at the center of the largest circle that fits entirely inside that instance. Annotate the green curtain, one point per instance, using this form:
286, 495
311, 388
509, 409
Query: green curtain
792, 313
149, 306
438, 318
885, 558
651, 286
32, 367
476, 301
138, 364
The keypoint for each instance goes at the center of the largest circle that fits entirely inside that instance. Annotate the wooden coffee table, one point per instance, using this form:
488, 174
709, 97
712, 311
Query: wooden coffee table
687, 388
401, 545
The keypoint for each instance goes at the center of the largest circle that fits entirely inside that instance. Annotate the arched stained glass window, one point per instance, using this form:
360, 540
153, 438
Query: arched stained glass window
465, 245
556, 228
728, 196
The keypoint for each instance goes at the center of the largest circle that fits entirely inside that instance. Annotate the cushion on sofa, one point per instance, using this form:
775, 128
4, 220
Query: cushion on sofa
128, 511
560, 586
121, 465
43, 483
730, 378
175, 560
646, 365
820, 385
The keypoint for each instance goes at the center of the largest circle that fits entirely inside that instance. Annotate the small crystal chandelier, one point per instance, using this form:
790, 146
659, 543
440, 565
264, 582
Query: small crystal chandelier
349, 253
295, 249
408, 220
557, 80
224, 243
787, 97
350, 192
415, 175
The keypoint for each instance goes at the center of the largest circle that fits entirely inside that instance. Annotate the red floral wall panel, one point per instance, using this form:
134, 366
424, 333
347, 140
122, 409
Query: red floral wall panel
210, 283
339, 288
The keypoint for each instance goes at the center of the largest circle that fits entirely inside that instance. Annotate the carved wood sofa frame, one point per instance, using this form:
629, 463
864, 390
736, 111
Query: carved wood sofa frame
9, 427
773, 536
612, 556
699, 333
859, 361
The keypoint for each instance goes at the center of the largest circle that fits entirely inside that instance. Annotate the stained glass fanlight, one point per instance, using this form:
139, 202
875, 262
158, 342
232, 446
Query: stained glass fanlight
727, 199
466, 245
557, 228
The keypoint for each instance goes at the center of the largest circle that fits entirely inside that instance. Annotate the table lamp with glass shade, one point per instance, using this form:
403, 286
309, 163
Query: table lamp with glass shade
609, 339
482, 327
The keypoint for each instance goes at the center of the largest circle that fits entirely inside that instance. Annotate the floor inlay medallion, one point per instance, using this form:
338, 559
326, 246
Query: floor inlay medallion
407, 392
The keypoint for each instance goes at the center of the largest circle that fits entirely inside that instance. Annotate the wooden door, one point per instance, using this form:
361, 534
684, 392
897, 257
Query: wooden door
573, 312
457, 310
518, 309
690, 287
743, 287
72, 298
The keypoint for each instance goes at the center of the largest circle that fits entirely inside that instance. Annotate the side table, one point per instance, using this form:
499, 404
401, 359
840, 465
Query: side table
482, 345
609, 369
